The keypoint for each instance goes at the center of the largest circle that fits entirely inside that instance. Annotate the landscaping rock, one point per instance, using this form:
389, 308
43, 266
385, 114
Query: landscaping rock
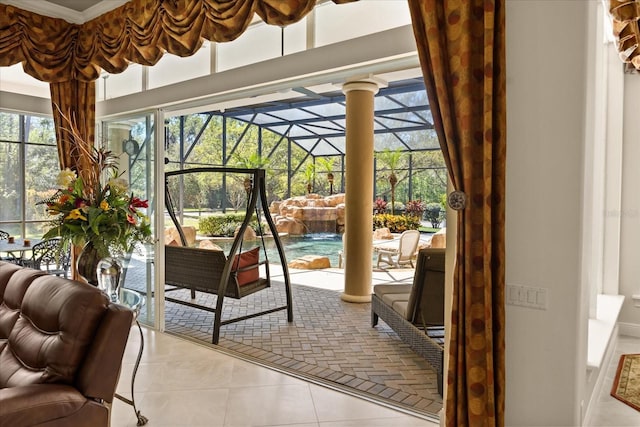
310, 262
171, 234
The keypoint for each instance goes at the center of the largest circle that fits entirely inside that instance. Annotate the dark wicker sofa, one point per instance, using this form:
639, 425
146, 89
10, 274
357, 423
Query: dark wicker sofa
416, 312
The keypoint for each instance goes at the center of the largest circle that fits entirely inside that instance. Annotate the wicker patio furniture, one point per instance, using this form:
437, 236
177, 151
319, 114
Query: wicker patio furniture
416, 312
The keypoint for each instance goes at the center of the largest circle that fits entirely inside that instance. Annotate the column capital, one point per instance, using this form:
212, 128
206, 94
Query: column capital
368, 84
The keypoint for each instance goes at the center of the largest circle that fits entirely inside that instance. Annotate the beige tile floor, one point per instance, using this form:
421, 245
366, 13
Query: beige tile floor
182, 383
608, 411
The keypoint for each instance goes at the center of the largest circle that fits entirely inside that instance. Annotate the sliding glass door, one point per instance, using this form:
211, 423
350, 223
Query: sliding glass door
133, 138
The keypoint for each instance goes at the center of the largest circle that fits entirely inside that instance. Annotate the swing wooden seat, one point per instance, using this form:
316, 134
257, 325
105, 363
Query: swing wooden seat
237, 275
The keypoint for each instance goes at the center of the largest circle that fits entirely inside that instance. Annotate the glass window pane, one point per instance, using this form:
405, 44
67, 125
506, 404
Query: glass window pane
114, 85
260, 42
41, 168
295, 37
14, 229
10, 182
9, 127
40, 130
137, 169
173, 69
14, 79
335, 23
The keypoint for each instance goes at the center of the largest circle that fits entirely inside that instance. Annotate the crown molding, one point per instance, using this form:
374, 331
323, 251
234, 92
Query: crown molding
102, 8
55, 11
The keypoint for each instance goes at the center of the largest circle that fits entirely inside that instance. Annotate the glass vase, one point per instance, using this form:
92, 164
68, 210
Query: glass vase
109, 273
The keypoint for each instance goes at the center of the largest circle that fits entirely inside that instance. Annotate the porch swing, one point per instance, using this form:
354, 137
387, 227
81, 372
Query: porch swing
211, 271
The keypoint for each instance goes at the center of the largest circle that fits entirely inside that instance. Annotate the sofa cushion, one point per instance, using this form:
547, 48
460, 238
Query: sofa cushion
395, 296
14, 281
53, 402
382, 290
49, 341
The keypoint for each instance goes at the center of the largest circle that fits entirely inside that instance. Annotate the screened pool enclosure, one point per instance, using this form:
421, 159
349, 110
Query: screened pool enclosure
301, 143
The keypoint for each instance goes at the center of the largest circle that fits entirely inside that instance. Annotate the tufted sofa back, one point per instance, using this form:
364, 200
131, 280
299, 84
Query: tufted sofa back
58, 331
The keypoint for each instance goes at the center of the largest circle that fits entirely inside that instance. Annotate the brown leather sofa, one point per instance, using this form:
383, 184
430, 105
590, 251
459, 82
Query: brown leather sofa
61, 348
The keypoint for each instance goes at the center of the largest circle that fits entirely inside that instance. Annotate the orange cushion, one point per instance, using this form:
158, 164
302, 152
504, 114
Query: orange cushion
247, 259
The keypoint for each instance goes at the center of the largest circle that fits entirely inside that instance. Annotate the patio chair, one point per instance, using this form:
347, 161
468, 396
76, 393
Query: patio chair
10, 255
47, 256
406, 252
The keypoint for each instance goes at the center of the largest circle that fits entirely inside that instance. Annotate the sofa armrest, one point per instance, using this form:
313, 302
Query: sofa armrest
100, 371
49, 404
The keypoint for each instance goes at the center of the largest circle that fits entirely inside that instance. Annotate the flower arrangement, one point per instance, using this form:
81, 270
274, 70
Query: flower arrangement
108, 216
96, 207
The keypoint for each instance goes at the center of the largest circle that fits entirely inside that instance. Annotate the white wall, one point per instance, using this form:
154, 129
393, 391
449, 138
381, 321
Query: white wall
630, 212
546, 97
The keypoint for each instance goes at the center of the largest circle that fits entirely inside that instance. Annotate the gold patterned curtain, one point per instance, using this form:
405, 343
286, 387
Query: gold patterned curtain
625, 16
70, 56
462, 53
73, 114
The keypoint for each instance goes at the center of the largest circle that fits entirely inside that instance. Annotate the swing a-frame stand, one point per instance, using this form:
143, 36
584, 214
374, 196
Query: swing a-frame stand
210, 271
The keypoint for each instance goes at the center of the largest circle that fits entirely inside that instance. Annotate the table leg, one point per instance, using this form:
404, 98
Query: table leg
142, 420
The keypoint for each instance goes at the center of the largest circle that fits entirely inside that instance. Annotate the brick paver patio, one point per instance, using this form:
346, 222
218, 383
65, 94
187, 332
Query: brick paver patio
330, 341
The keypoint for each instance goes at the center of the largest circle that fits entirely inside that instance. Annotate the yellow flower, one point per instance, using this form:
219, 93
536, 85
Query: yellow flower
75, 214
104, 205
65, 178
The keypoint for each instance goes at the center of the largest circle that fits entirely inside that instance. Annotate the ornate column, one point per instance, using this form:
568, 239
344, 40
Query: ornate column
359, 190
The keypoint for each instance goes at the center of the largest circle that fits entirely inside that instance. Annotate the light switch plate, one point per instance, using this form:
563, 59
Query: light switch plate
527, 296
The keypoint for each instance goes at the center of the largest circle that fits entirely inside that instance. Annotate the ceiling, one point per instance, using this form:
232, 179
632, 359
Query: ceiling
79, 5
74, 11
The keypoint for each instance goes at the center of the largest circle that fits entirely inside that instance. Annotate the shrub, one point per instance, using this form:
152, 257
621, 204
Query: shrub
398, 207
433, 214
415, 208
379, 206
223, 225
396, 223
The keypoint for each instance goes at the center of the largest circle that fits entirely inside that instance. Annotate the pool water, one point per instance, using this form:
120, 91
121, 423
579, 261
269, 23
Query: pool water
323, 244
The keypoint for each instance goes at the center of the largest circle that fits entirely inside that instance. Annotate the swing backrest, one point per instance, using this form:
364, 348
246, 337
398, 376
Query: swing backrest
201, 270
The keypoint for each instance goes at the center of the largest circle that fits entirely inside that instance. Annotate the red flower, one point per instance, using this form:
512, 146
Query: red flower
131, 219
137, 203
80, 203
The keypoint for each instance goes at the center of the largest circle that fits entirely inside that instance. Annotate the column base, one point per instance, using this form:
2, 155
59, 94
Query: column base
355, 298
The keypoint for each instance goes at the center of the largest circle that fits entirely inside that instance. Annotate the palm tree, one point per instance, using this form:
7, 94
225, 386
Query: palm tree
309, 175
253, 161
327, 164
391, 159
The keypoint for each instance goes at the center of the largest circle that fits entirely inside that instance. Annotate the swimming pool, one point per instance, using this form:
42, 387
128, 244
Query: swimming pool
323, 244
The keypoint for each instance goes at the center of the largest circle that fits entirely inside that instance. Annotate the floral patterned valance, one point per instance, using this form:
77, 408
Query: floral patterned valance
140, 31
625, 15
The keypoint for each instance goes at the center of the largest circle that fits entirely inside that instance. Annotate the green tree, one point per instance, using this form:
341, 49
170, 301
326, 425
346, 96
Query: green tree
326, 163
391, 160
309, 176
